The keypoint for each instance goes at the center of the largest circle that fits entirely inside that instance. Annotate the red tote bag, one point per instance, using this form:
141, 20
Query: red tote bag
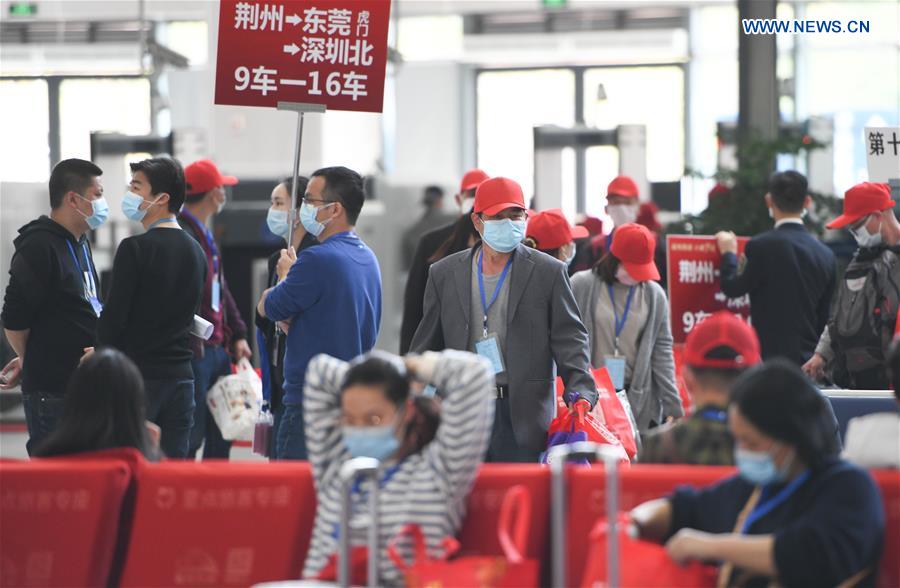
507, 571
643, 564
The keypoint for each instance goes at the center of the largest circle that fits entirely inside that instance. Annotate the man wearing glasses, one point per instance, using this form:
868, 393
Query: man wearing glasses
330, 300
513, 306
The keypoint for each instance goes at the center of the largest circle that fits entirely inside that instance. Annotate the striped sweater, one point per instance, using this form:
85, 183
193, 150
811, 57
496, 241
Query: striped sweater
428, 488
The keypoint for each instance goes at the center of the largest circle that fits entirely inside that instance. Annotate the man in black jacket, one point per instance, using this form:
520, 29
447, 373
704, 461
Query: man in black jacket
788, 273
52, 300
430, 243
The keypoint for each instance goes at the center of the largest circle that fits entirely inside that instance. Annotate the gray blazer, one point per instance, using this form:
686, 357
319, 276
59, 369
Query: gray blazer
653, 394
544, 331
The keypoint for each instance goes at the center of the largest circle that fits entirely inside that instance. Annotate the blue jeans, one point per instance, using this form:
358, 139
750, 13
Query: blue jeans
42, 413
291, 442
170, 404
207, 370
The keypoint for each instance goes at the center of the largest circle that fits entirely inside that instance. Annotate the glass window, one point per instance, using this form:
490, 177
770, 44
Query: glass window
189, 38
25, 151
652, 96
510, 105
854, 79
111, 105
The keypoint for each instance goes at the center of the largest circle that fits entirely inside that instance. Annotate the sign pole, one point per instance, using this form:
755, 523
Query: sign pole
301, 109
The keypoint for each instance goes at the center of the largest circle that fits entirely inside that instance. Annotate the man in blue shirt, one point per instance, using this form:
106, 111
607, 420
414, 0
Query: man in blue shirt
330, 301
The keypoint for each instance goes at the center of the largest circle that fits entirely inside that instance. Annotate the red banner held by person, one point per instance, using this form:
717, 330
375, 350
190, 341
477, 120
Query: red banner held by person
694, 288
331, 52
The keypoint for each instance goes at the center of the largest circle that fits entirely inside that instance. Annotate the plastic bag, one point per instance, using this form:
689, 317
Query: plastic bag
234, 402
262, 431
579, 425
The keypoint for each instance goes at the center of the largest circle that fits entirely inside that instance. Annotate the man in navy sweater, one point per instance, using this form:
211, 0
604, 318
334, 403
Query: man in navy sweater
330, 300
788, 273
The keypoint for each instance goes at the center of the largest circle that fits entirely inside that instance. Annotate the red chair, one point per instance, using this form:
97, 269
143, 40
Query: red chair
60, 521
639, 483
889, 483
478, 535
219, 523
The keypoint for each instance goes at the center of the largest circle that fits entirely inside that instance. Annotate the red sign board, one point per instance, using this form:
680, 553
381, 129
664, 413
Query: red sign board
331, 52
694, 287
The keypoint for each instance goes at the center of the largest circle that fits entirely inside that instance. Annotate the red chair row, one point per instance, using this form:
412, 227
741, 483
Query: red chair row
112, 519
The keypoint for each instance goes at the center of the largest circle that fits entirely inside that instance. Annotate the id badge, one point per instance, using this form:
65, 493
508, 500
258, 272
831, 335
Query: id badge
216, 293
489, 348
615, 365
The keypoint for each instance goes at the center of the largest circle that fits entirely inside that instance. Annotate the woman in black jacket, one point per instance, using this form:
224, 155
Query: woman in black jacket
270, 339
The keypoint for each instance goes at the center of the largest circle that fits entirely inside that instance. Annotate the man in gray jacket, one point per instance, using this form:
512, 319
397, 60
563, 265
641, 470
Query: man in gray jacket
515, 307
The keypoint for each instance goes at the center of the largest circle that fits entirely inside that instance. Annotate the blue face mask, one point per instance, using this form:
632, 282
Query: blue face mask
571, 256
277, 220
758, 467
131, 206
503, 235
308, 214
100, 212
378, 442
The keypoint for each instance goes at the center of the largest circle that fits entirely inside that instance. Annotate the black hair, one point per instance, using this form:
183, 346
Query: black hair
432, 195
606, 268
893, 362
345, 186
534, 244
302, 182
165, 174
788, 190
71, 175
388, 372
104, 408
463, 231
780, 401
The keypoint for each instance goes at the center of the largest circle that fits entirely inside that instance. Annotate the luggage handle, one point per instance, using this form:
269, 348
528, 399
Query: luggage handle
558, 458
513, 535
352, 470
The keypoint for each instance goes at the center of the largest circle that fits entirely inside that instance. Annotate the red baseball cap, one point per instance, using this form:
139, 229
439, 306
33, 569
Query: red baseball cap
202, 176
722, 329
471, 179
551, 230
861, 200
498, 194
634, 246
593, 225
622, 186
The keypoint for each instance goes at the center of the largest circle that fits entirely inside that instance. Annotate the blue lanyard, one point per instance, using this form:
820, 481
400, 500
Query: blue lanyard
714, 414
388, 474
161, 221
484, 303
264, 366
210, 242
620, 324
86, 260
767, 505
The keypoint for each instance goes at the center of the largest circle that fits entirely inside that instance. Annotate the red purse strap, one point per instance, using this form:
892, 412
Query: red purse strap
513, 535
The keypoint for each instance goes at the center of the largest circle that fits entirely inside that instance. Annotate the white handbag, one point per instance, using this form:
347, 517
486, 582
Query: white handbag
234, 402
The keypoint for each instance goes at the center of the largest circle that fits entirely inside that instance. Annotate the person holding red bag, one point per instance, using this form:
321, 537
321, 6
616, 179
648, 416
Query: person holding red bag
716, 352
796, 515
627, 317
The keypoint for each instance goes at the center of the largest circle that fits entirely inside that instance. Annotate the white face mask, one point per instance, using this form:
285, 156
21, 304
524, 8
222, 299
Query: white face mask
624, 277
466, 206
864, 238
622, 214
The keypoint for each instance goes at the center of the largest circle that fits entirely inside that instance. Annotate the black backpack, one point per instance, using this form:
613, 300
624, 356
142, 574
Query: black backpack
862, 324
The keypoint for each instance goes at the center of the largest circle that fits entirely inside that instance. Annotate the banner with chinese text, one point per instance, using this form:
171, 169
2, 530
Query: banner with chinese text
694, 288
331, 52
